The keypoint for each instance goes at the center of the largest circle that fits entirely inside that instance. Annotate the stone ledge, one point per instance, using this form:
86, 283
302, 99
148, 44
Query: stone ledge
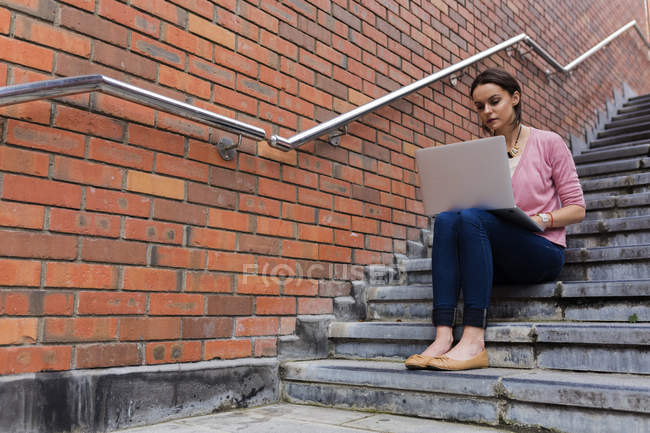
113, 398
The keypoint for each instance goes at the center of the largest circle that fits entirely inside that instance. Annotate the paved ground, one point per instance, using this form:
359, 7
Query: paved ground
290, 418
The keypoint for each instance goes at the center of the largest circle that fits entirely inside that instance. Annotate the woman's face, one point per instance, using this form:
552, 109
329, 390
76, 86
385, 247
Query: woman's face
495, 106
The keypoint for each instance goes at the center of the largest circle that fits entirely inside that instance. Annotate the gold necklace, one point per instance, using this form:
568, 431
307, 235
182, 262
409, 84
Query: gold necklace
515, 147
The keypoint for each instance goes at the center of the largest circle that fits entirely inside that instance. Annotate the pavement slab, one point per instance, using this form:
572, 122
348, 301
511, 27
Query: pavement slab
292, 418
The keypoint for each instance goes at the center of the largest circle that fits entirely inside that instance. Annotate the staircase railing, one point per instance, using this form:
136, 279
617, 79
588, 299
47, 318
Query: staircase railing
90, 83
335, 127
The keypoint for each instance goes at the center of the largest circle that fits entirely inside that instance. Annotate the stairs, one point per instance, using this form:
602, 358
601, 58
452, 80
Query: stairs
569, 356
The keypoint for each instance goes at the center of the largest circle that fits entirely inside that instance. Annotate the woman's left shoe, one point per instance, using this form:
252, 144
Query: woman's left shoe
418, 362
445, 363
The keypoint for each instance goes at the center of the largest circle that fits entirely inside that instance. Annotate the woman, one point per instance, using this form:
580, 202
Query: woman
473, 248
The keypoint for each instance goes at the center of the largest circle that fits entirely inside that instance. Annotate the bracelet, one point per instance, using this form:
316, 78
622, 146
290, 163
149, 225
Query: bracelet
551, 215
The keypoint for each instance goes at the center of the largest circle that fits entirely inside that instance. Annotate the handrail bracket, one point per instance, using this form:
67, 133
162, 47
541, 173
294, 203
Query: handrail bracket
227, 148
334, 137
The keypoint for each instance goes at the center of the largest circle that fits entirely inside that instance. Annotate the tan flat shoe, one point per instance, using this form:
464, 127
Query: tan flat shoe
418, 362
445, 363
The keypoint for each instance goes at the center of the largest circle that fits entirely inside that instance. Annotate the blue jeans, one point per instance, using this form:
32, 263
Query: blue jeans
473, 249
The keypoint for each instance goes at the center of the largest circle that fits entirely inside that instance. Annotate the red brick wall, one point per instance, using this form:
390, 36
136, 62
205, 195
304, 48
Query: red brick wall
127, 240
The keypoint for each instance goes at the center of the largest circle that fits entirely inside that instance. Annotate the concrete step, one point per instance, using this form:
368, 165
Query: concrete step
609, 232
590, 301
603, 347
607, 154
637, 105
524, 400
618, 206
627, 166
621, 138
631, 115
606, 263
638, 98
581, 264
625, 184
627, 122
626, 129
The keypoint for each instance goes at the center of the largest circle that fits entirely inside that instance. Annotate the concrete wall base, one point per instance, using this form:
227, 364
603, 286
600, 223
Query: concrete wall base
109, 399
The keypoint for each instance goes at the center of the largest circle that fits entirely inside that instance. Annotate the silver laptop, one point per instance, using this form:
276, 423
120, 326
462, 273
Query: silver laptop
471, 174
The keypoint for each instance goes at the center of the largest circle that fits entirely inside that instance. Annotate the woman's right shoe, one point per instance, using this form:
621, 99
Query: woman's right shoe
418, 362
445, 363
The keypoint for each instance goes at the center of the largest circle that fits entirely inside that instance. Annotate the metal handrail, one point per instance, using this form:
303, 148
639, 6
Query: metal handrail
335, 125
90, 83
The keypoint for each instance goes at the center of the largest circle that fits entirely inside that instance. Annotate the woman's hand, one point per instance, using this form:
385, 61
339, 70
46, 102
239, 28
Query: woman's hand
562, 217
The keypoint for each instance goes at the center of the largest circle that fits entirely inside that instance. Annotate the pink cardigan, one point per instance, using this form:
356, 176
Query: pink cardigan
546, 179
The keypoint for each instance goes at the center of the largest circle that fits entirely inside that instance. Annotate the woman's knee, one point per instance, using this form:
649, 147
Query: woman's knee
446, 219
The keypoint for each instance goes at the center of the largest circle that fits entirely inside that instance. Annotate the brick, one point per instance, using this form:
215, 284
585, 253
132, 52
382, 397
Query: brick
259, 205
298, 249
21, 215
227, 349
254, 165
177, 257
180, 167
168, 304
99, 303
258, 285
86, 223
298, 212
117, 202
153, 184
334, 186
93, 25
315, 306
207, 327
87, 173
314, 198
236, 62
113, 251
282, 12
346, 205
278, 190
252, 326
107, 355
125, 15
364, 225
225, 305
333, 219
258, 16
118, 107
27, 54
170, 352
180, 125
34, 111
348, 239
18, 303
210, 238
20, 273
208, 282
88, 123
300, 287
149, 328
153, 231
211, 31
31, 359
258, 53
5, 21
331, 288
277, 266
155, 139
184, 82
164, 10
229, 220
81, 275
124, 61
44, 34
334, 254
277, 306
37, 245
79, 329
265, 347
179, 212
214, 197
259, 91
287, 325
18, 330
44, 138
149, 279
120, 154
230, 262
315, 233
212, 72
275, 227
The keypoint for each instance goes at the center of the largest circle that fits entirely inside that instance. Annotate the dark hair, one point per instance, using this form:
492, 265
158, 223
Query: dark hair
502, 79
